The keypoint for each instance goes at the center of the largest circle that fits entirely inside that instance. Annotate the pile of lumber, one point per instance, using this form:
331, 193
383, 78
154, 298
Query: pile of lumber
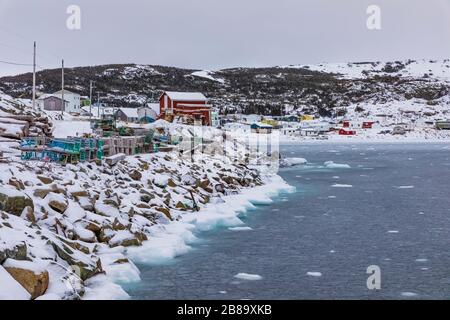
18, 126
17, 120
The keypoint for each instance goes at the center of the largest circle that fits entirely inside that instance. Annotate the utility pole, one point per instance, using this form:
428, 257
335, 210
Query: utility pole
34, 76
62, 90
98, 105
90, 98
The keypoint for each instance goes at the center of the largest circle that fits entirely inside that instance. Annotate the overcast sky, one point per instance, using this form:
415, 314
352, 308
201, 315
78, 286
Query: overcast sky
214, 34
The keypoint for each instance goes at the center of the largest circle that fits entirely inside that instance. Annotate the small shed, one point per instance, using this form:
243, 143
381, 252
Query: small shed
52, 103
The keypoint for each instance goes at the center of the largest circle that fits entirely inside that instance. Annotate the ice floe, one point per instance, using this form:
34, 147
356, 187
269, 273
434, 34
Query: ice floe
240, 228
314, 274
332, 165
338, 185
290, 162
248, 276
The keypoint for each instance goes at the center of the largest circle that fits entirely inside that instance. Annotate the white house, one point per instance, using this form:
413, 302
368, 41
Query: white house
73, 101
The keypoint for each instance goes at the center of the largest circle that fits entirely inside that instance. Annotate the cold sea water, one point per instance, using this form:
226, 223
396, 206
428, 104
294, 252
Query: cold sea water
390, 209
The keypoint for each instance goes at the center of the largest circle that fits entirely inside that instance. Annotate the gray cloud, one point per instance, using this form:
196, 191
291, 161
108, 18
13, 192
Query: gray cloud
213, 34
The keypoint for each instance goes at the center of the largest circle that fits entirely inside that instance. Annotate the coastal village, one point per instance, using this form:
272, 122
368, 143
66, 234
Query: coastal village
87, 131
95, 188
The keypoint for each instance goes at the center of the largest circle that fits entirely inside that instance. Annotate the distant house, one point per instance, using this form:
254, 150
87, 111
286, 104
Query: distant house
51, 103
98, 111
147, 114
347, 132
260, 127
127, 114
358, 124
189, 104
73, 101
443, 125
251, 118
141, 114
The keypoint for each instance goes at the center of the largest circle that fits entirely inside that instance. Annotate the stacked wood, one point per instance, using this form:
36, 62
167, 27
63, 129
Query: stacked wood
19, 126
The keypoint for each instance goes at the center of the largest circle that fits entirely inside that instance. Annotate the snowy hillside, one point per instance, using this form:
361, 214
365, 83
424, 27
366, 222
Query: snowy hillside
320, 89
439, 70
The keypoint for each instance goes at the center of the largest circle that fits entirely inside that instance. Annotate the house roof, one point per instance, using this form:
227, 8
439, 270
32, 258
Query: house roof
130, 112
261, 125
186, 96
44, 96
48, 96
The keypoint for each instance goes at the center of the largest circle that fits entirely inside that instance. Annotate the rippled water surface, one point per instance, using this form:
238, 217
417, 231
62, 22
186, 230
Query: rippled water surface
390, 209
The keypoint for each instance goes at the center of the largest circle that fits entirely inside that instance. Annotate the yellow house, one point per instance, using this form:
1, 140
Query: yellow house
270, 122
306, 117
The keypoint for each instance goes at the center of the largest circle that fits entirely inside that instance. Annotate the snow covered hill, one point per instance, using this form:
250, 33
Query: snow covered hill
323, 89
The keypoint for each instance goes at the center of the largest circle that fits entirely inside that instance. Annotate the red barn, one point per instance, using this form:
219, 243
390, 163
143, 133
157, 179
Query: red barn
190, 104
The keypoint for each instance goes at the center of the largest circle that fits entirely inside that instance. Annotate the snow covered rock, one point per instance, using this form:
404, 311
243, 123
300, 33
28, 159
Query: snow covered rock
10, 289
33, 278
57, 202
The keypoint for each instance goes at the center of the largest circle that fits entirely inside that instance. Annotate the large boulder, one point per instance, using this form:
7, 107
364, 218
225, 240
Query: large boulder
14, 201
30, 276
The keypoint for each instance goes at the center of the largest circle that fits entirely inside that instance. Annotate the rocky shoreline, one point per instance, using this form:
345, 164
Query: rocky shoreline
63, 227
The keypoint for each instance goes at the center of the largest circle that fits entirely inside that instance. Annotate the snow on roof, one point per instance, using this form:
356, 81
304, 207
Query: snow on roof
44, 96
130, 112
262, 125
186, 96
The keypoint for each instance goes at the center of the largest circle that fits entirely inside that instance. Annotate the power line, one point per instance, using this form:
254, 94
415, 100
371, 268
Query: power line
16, 63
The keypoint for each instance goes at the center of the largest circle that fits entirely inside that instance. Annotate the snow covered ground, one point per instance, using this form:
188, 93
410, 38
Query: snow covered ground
82, 226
